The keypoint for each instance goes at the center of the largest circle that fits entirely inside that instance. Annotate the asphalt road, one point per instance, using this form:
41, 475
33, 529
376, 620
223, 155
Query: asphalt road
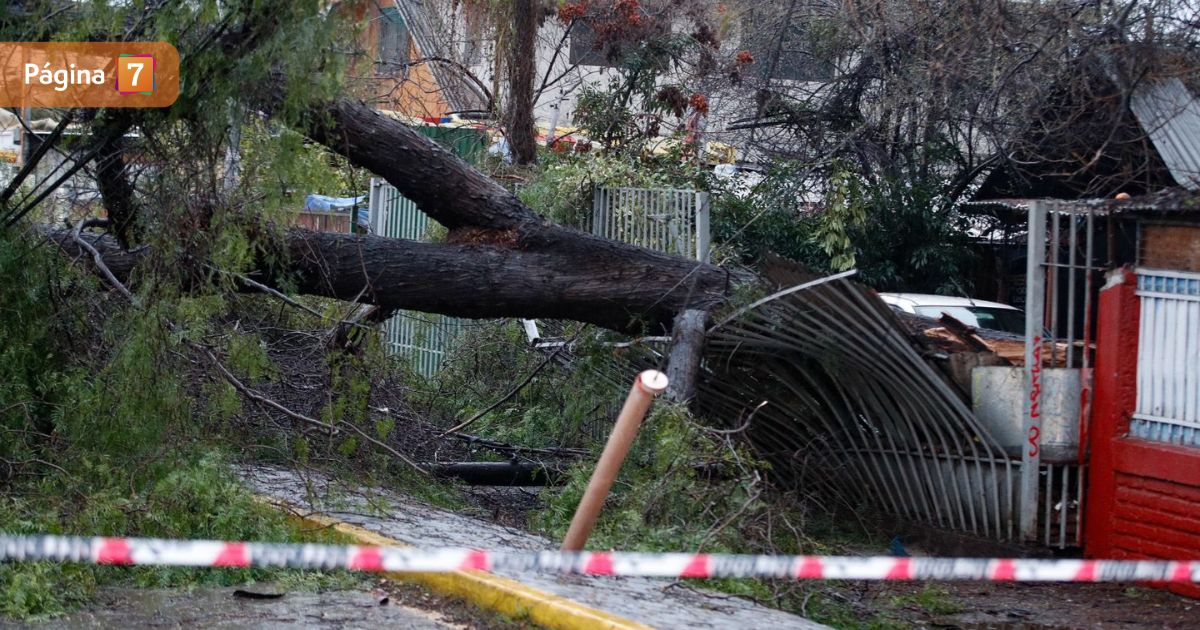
221, 608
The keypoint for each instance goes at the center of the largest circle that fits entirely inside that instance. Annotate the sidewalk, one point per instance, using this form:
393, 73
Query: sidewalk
656, 603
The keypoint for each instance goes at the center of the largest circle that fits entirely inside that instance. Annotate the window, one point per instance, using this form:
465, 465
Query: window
583, 47
783, 46
1002, 319
393, 40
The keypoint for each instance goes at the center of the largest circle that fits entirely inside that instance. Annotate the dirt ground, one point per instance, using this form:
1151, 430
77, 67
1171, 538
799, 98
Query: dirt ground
970, 606
452, 611
1014, 606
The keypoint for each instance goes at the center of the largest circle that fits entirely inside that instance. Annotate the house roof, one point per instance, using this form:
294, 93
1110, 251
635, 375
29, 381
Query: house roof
1171, 201
1170, 115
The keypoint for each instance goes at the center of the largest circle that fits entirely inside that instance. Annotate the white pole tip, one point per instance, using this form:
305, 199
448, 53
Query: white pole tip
653, 381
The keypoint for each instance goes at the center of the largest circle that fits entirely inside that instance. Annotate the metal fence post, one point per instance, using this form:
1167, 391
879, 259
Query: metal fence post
375, 215
1035, 306
702, 227
598, 218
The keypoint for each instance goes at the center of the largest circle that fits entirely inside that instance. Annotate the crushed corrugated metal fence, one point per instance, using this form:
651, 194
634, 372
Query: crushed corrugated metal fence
853, 407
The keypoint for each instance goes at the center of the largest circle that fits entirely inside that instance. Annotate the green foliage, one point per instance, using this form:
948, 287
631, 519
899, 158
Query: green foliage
817, 603
838, 613
643, 50
43, 589
556, 407
843, 214
111, 421
141, 395
35, 318
600, 117
683, 486
563, 189
664, 498
247, 357
350, 391
102, 434
312, 581
747, 227
281, 167
197, 499
900, 232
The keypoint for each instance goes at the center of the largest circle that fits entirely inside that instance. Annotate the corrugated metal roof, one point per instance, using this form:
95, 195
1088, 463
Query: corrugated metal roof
1168, 201
1170, 115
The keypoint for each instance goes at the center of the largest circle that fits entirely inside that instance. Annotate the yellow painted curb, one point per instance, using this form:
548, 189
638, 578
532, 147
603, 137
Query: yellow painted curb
500, 594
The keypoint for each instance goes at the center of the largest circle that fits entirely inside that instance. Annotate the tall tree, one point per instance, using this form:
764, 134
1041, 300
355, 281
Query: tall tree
522, 66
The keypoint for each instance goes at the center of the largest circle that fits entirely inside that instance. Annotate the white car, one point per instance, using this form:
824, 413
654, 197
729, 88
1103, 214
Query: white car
975, 313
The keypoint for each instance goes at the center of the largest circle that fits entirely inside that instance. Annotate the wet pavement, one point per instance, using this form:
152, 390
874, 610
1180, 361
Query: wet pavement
127, 607
660, 603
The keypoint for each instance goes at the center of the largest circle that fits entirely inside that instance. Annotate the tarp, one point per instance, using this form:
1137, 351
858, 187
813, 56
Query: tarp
321, 203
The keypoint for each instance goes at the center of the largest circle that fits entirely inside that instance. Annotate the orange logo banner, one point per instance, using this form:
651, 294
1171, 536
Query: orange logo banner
81, 74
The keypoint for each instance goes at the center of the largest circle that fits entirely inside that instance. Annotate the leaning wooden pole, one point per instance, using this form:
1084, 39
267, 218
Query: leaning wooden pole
648, 384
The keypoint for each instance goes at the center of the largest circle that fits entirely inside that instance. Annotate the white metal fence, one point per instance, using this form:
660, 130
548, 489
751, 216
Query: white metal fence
670, 220
423, 338
664, 219
1168, 376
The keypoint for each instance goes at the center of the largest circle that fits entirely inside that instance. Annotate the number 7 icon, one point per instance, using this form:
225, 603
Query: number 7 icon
135, 74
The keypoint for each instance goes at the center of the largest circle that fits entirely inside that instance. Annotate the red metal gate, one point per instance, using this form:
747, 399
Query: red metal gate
1144, 495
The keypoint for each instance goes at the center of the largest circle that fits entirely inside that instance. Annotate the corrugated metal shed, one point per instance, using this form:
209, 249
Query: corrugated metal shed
1170, 116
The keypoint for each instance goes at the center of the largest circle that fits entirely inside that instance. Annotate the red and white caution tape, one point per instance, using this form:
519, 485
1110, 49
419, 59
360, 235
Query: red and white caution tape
211, 553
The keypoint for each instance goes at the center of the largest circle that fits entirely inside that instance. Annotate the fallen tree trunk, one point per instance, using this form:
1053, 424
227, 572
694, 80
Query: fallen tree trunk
498, 473
631, 288
609, 284
502, 259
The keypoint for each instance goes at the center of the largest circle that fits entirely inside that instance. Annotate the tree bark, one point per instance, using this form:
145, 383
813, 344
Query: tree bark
522, 62
464, 279
443, 186
502, 259
112, 176
499, 473
687, 347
